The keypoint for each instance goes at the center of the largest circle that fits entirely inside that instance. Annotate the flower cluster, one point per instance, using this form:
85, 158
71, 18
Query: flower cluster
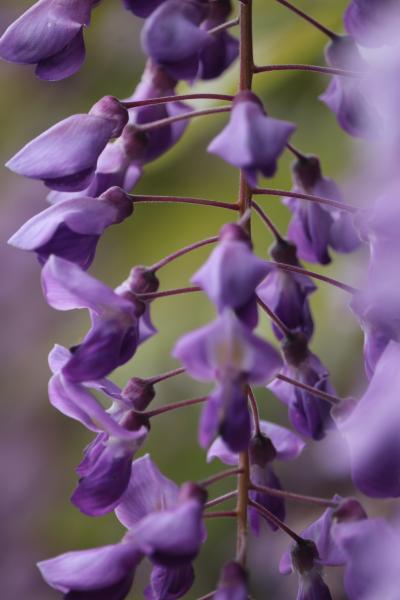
91, 162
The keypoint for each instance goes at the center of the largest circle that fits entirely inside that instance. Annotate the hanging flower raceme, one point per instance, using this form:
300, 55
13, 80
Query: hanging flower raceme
370, 428
231, 274
50, 36
308, 414
65, 156
227, 353
252, 140
286, 294
222, 49
105, 470
373, 22
113, 337
172, 36
164, 523
273, 443
315, 227
72, 229
345, 96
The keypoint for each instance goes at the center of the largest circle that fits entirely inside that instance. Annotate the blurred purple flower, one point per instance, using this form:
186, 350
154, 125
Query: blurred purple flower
232, 584
373, 22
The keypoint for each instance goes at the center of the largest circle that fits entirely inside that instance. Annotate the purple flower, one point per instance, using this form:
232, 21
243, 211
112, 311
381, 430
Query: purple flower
71, 229
231, 273
286, 294
50, 36
232, 584
104, 573
323, 533
344, 95
163, 520
169, 583
229, 354
371, 548
373, 22
106, 467
65, 156
173, 39
221, 49
252, 140
308, 414
274, 443
113, 337
371, 430
314, 227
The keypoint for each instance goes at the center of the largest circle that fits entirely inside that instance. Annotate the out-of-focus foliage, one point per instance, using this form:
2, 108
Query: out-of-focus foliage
39, 447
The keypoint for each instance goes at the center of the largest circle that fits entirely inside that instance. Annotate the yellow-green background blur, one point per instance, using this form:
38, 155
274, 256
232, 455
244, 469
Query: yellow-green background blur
39, 447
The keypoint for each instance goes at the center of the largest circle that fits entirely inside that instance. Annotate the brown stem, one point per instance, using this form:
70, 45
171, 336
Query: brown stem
277, 522
308, 69
266, 220
171, 257
224, 26
174, 292
311, 390
219, 476
293, 269
219, 514
174, 406
178, 98
274, 317
293, 496
221, 499
183, 200
189, 115
309, 197
158, 378
328, 32
254, 410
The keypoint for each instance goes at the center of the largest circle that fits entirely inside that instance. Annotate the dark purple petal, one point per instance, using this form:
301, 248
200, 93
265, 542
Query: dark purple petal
234, 425
44, 30
65, 63
65, 156
105, 573
169, 583
148, 491
220, 52
371, 431
142, 8
232, 584
252, 141
313, 587
265, 476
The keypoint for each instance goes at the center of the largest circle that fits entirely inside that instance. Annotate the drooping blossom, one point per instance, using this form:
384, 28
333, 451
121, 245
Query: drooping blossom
316, 227
371, 430
164, 524
50, 36
308, 414
252, 140
172, 37
307, 564
113, 337
65, 156
345, 96
373, 22
72, 229
221, 49
230, 275
273, 443
286, 294
105, 470
227, 353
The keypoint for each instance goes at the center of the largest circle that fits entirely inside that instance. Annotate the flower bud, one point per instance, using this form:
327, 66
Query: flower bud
111, 109
295, 349
138, 393
261, 451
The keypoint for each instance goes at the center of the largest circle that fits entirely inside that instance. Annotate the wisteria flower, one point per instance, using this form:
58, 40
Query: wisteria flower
113, 337
50, 36
252, 140
222, 49
371, 430
72, 229
65, 156
308, 414
227, 353
231, 273
315, 227
232, 584
274, 443
172, 37
373, 22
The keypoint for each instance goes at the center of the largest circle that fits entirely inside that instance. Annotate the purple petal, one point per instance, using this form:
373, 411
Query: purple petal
142, 8
148, 491
232, 584
65, 63
288, 445
98, 569
169, 583
65, 155
265, 476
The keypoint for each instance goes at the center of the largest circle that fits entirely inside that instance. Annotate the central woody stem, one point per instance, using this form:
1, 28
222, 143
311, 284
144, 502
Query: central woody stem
245, 195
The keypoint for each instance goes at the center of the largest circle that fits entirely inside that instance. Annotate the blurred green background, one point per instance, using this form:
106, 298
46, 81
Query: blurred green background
40, 448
